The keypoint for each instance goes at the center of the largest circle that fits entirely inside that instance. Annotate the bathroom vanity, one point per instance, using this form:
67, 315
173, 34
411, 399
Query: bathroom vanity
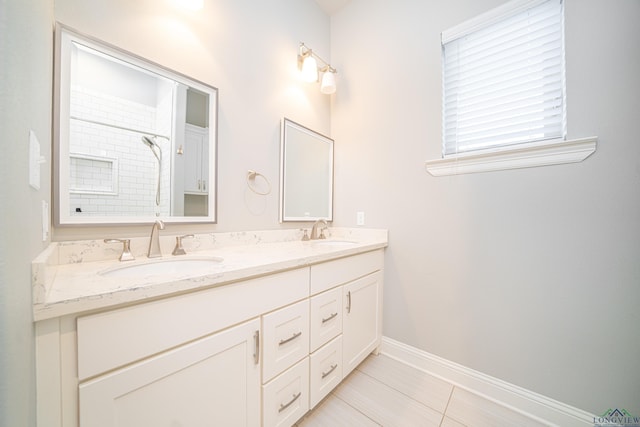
258, 338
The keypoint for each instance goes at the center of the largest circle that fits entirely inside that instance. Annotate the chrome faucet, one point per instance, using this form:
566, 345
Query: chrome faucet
314, 229
154, 240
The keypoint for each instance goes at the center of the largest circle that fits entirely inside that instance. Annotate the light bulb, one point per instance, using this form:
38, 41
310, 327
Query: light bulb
309, 69
328, 85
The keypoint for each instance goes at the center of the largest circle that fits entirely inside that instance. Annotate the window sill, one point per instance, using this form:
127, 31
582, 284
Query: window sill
572, 151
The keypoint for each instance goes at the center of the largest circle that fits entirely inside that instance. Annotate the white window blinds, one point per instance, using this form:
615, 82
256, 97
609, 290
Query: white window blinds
503, 78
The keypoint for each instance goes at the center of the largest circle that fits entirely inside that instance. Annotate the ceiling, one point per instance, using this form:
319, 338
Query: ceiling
331, 6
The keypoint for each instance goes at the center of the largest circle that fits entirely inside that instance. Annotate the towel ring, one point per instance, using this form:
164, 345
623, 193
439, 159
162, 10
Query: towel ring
251, 176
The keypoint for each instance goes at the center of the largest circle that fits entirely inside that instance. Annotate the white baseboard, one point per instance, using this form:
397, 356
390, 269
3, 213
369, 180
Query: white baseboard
509, 395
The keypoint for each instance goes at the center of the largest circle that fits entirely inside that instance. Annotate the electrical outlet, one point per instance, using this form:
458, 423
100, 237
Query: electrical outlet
360, 218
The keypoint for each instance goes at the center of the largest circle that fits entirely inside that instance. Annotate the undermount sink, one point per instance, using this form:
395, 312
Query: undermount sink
333, 242
175, 266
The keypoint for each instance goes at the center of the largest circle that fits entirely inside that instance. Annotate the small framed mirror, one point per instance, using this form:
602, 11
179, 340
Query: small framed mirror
306, 174
133, 141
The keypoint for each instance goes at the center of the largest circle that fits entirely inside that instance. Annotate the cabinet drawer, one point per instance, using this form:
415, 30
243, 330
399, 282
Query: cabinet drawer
333, 273
325, 371
117, 337
286, 398
285, 338
326, 317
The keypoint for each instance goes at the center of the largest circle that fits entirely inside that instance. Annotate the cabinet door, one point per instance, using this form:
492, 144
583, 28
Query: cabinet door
196, 149
214, 381
362, 320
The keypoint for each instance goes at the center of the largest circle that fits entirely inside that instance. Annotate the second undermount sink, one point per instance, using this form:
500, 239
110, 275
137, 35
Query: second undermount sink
165, 266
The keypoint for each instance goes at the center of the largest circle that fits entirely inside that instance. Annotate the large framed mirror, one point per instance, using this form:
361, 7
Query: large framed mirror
306, 174
133, 141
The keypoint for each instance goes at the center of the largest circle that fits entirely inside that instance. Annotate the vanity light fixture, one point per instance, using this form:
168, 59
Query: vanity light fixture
328, 85
307, 62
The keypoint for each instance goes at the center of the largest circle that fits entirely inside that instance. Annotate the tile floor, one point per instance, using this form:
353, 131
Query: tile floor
385, 392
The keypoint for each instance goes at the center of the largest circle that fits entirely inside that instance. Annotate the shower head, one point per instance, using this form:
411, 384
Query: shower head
148, 141
153, 146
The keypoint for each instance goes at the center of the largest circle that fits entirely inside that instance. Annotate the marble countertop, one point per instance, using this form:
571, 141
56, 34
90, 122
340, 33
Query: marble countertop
66, 279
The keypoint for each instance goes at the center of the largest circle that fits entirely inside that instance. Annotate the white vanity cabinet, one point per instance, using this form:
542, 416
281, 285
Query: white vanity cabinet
254, 352
183, 360
212, 381
359, 279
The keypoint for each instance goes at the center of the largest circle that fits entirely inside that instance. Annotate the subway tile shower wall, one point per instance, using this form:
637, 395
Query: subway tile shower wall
134, 190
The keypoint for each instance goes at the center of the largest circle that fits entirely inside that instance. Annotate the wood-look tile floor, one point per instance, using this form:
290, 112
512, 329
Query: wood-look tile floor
388, 393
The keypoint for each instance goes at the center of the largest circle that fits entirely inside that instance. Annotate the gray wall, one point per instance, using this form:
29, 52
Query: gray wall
529, 275
532, 275
247, 49
25, 104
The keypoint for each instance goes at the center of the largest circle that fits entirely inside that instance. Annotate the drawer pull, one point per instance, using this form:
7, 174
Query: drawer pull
329, 318
284, 406
293, 337
333, 368
349, 302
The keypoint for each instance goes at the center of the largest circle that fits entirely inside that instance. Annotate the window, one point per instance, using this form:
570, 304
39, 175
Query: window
503, 100
503, 78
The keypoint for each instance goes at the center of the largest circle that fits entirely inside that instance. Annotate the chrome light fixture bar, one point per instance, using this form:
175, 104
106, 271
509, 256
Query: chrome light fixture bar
308, 65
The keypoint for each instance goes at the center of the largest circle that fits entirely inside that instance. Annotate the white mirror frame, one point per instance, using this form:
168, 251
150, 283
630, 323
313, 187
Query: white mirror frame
306, 174
64, 36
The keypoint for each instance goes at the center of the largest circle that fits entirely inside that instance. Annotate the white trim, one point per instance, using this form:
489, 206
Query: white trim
572, 151
516, 398
494, 15
48, 378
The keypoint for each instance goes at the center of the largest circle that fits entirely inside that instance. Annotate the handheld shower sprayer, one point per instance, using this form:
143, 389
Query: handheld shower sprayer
157, 152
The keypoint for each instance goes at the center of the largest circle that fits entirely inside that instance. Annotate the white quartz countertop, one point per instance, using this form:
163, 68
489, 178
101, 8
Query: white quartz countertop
66, 276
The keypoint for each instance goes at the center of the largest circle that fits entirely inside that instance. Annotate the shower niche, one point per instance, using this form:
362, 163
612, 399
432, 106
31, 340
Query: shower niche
134, 141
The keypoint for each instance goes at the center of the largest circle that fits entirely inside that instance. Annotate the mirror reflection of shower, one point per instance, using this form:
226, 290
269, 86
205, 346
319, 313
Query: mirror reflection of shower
157, 152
